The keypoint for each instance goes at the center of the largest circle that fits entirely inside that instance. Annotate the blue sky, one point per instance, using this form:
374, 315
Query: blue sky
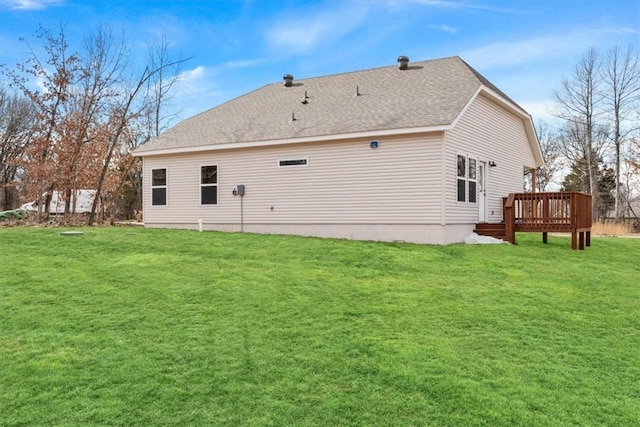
523, 47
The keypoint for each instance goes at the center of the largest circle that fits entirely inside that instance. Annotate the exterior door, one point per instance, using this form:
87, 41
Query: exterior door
482, 192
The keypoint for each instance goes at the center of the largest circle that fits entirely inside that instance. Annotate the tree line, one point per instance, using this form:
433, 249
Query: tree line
76, 127
594, 146
93, 105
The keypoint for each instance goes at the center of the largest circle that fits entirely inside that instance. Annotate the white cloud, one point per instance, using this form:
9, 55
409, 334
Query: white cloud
446, 29
196, 73
31, 4
196, 90
190, 81
298, 34
39, 83
540, 110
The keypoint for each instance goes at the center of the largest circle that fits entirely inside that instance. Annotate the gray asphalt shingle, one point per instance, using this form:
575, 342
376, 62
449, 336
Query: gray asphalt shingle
429, 93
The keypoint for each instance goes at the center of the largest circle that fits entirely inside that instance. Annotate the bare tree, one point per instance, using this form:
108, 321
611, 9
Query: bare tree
621, 79
154, 118
102, 63
17, 115
120, 120
57, 74
159, 94
580, 100
551, 154
87, 113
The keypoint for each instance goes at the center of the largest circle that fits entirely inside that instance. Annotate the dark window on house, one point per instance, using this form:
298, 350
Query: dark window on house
293, 162
209, 185
467, 187
473, 194
462, 178
158, 187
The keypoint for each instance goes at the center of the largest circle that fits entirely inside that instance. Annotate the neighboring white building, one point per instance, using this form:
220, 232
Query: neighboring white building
82, 202
418, 152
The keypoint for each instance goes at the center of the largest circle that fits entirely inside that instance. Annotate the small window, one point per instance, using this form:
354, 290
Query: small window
209, 185
467, 180
462, 166
461, 190
293, 162
473, 194
462, 175
158, 187
472, 168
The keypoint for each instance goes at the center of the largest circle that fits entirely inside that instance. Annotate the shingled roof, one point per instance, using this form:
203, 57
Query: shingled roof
428, 95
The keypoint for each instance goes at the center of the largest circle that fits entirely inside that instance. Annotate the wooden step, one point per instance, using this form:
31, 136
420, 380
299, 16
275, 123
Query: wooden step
497, 230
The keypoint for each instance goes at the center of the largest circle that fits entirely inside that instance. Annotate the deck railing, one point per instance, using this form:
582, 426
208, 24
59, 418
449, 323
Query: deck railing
549, 212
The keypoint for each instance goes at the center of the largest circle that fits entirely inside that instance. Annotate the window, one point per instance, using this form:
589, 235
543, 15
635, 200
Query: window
472, 181
293, 162
467, 180
158, 187
462, 178
209, 185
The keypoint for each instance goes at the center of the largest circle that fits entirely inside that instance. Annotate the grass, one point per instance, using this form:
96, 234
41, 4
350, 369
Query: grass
165, 327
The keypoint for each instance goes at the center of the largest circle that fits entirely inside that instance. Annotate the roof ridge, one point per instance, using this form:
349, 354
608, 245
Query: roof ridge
382, 67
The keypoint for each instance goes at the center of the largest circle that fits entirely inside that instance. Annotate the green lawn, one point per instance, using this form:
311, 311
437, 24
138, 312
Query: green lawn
125, 326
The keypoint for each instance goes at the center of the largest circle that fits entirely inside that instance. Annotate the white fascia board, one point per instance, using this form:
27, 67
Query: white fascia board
321, 138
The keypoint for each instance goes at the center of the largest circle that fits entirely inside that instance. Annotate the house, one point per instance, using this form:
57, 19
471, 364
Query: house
416, 152
82, 201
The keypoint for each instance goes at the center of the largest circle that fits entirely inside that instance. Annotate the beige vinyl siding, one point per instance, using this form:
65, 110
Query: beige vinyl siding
486, 132
345, 182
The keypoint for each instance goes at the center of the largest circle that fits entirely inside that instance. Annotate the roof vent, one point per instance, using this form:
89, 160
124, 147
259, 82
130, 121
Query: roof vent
288, 80
403, 62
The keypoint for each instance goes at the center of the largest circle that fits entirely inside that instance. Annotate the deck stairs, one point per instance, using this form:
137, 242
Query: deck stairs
497, 230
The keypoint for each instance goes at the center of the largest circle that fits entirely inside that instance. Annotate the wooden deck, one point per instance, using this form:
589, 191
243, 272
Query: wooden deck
560, 212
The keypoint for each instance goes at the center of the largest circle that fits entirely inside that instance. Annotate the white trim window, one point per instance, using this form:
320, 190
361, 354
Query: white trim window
286, 163
467, 180
473, 180
209, 185
462, 178
159, 187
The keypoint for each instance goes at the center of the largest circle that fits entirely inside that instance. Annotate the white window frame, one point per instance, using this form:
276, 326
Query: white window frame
217, 184
461, 178
470, 180
306, 164
165, 186
467, 178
